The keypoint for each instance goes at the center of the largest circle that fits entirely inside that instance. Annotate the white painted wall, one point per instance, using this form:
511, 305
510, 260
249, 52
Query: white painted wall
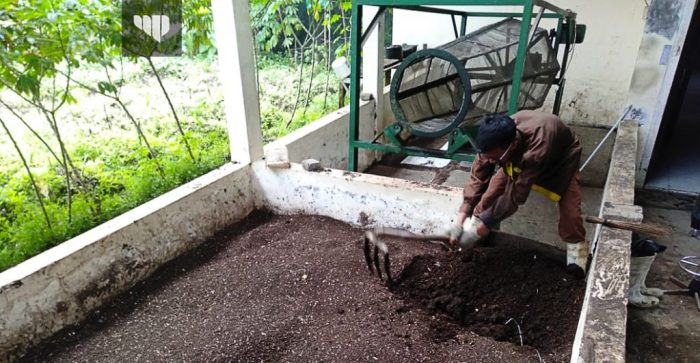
234, 42
601, 70
326, 139
347, 196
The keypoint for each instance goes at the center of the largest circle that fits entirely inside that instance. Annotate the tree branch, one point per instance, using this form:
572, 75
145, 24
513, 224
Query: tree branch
29, 172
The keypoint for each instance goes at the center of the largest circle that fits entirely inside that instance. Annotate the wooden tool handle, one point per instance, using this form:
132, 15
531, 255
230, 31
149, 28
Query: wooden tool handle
402, 233
596, 220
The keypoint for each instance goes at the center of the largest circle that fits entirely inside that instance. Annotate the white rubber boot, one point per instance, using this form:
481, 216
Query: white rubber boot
639, 267
651, 291
577, 258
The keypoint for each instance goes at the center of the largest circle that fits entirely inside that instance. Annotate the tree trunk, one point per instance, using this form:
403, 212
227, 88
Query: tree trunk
296, 103
66, 165
311, 80
34, 132
29, 172
172, 108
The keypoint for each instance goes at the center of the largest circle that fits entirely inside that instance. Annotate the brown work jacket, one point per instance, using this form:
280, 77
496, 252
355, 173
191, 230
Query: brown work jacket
545, 160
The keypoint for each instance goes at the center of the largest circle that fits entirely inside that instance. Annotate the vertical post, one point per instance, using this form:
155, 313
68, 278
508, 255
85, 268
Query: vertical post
234, 42
520, 57
463, 26
373, 68
565, 59
557, 38
355, 63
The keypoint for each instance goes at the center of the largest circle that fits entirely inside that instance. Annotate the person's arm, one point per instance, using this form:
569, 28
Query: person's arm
517, 192
478, 182
507, 204
479, 178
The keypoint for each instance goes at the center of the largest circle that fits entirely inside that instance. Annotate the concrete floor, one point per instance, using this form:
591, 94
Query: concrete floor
670, 332
536, 220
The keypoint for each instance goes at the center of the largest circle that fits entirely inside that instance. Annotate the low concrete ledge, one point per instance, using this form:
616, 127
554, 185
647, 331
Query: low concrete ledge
601, 332
326, 139
62, 285
358, 199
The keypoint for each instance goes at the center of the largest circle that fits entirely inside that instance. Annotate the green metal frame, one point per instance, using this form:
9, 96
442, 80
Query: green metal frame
396, 81
458, 137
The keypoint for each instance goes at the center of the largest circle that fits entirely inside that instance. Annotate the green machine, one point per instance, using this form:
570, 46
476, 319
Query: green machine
441, 93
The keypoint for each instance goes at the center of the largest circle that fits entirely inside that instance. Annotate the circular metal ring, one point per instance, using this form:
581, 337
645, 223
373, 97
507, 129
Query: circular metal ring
398, 77
687, 261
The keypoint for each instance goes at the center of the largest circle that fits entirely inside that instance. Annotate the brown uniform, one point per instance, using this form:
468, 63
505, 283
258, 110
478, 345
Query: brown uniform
546, 160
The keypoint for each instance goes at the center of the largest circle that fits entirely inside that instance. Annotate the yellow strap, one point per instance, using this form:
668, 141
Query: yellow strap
510, 169
547, 193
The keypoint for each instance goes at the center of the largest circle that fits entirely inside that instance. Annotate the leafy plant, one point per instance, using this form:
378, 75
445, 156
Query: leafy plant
123, 178
55, 52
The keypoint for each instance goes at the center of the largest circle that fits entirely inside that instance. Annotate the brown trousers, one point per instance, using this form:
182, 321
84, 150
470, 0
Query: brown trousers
570, 222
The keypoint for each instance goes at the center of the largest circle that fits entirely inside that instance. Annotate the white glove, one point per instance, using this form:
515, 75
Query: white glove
454, 232
470, 236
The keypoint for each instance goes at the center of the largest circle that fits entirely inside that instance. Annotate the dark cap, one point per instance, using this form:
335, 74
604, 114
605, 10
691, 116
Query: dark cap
495, 131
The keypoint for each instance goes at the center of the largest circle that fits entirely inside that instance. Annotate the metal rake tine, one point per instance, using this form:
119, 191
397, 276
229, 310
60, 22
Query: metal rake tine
368, 256
376, 262
389, 280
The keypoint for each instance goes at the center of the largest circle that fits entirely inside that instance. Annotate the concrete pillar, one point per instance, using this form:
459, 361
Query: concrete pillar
234, 41
373, 65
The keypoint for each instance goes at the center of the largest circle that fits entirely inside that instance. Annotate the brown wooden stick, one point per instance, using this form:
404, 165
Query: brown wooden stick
656, 230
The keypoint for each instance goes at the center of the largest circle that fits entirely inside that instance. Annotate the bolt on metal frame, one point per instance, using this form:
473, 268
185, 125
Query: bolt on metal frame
357, 38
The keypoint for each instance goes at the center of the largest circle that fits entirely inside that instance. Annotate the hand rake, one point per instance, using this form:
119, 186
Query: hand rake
373, 246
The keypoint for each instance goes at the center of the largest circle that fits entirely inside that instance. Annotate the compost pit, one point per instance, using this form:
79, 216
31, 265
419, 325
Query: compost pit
296, 288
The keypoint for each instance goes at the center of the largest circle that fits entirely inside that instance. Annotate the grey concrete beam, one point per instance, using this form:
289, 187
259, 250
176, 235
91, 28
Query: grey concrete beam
621, 176
624, 212
600, 336
604, 313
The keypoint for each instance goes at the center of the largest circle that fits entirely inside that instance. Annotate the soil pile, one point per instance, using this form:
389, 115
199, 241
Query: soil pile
296, 289
504, 293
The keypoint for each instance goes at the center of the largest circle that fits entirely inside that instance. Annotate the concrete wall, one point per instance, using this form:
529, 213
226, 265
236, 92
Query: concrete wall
326, 139
596, 171
659, 52
600, 71
358, 199
62, 285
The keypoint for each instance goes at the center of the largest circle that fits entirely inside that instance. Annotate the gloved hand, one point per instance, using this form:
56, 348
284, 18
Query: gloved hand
454, 232
467, 235
470, 232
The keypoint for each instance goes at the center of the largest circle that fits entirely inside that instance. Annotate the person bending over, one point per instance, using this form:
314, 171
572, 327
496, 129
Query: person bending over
531, 150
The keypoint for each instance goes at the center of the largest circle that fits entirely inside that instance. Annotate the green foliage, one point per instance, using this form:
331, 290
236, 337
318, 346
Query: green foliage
274, 121
123, 177
299, 24
46, 44
43, 37
198, 28
278, 93
275, 22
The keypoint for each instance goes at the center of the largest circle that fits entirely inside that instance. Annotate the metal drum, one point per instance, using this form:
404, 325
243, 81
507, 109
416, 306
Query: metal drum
437, 90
